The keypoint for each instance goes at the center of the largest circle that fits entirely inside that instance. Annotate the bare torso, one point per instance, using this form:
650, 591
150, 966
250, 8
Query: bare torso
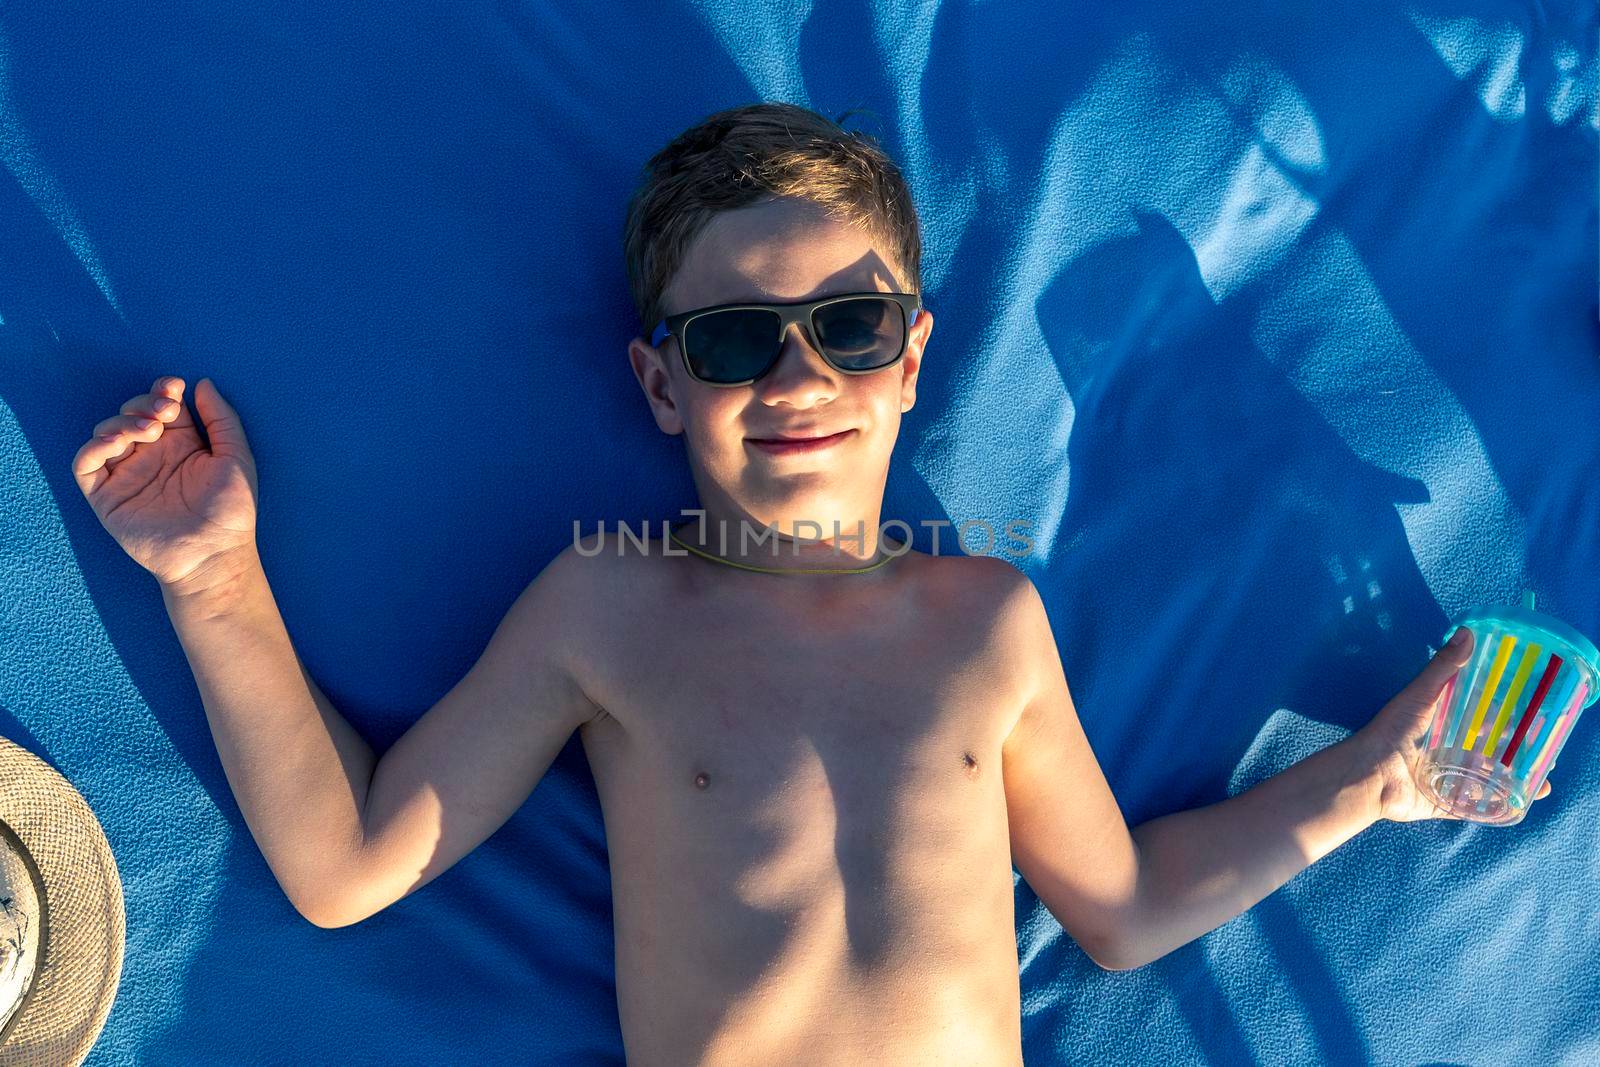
804, 810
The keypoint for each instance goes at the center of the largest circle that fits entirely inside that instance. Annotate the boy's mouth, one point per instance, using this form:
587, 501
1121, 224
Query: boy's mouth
788, 444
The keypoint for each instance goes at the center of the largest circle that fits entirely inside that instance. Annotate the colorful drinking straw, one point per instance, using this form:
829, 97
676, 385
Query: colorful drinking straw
1551, 669
1458, 699
1442, 715
1559, 728
1530, 656
1502, 657
1465, 698
1524, 751
1561, 693
1507, 703
1558, 737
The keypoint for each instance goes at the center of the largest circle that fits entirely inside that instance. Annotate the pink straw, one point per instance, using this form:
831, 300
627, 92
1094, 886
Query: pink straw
1442, 712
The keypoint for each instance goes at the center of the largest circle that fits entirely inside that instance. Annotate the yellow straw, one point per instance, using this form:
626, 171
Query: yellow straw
1519, 680
1489, 687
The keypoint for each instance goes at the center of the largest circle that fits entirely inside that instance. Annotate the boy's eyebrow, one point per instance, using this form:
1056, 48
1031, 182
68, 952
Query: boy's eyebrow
767, 299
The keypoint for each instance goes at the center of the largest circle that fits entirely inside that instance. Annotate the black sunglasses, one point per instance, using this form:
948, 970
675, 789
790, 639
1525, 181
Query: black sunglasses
735, 344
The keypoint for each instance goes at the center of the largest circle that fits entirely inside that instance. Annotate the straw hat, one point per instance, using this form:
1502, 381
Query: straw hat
61, 919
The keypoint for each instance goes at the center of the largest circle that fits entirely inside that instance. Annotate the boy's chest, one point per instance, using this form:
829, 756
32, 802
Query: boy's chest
806, 827
754, 722
872, 731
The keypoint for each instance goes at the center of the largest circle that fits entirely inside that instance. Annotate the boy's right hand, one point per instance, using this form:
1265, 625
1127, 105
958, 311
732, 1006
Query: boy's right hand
172, 504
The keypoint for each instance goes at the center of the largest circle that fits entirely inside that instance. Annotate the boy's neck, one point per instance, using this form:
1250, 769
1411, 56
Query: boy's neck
797, 546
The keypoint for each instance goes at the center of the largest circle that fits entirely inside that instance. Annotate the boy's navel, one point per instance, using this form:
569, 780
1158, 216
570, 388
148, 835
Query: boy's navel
971, 763
702, 780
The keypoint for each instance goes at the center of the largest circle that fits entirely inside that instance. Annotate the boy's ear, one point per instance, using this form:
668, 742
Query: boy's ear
649, 367
911, 362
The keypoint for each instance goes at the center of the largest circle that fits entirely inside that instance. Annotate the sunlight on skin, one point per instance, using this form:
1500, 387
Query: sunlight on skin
783, 250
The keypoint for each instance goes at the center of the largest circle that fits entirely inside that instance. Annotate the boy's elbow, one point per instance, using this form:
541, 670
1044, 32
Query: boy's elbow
325, 917
1108, 959
330, 912
1118, 962
333, 896
1108, 965
319, 921
328, 920
1106, 952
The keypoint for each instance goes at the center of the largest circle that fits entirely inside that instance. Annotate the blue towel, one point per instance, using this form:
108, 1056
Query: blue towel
1278, 323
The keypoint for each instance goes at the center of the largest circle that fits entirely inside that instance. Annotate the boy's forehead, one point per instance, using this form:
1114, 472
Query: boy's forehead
777, 251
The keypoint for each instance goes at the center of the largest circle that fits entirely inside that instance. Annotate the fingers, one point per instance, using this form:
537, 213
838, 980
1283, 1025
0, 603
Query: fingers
153, 405
1458, 650
89, 465
1426, 686
120, 431
222, 423
176, 412
147, 412
163, 404
142, 418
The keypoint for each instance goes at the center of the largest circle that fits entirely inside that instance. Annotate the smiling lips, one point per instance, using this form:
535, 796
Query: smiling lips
783, 446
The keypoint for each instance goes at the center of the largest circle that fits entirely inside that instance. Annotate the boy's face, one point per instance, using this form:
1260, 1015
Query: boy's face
780, 251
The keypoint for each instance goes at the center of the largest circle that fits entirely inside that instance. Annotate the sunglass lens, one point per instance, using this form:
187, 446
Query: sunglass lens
731, 346
861, 334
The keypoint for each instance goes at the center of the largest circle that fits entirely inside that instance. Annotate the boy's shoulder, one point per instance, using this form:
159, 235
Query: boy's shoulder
616, 599
609, 562
995, 591
987, 575
615, 560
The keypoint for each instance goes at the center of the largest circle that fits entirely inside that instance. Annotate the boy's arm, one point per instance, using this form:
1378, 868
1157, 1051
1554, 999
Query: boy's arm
1203, 866
471, 760
1068, 836
1130, 898
344, 832
298, 770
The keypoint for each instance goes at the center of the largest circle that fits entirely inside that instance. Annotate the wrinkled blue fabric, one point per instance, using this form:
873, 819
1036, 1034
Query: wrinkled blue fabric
1277, 322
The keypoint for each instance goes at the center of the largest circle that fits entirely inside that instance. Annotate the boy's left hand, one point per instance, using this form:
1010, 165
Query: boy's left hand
1390, 745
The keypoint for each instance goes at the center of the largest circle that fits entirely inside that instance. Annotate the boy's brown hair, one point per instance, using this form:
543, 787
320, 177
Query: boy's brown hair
745, 154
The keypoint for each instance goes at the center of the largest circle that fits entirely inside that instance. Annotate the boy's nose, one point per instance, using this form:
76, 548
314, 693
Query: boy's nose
801, 376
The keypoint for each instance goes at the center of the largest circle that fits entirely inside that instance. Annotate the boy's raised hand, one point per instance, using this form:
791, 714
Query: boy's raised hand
171, 503
1393, 742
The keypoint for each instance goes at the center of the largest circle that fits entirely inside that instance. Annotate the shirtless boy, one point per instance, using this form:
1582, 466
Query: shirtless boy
814, 784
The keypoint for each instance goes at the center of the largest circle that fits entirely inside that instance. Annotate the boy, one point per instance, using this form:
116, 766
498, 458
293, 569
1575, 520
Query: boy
814, 783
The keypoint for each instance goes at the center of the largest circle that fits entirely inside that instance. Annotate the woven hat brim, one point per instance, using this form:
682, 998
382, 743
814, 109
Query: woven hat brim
77, 979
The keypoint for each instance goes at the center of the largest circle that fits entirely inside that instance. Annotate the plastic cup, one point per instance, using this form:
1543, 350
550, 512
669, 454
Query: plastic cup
1505, 714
